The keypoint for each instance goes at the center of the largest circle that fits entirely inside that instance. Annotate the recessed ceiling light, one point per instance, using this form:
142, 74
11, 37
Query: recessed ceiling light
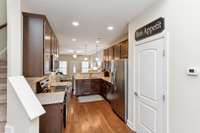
74, 56
110, 28
97, 41
75, 23
85, 58
74, 39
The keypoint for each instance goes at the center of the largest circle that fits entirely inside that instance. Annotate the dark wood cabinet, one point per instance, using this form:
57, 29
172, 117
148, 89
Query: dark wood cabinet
40, 46
47, 47
110, 57
94, 86
106, 60
88, 86
33, 58
53, 120
117, 52
124, 49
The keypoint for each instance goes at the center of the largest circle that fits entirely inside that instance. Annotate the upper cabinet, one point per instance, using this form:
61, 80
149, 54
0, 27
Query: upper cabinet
111, 50
116, 52
124, 49
40, 46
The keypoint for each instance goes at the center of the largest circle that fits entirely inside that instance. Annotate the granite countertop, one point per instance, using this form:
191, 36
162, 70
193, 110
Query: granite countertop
51, 98
61, 84
108, 79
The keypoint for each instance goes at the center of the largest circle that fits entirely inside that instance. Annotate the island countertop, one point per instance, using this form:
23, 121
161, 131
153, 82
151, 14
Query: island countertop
96, 76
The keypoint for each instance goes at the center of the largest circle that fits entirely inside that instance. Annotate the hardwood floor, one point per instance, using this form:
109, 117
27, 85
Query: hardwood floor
95, 117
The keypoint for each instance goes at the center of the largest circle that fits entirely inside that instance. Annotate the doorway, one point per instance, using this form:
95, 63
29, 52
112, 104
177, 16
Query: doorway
151, 67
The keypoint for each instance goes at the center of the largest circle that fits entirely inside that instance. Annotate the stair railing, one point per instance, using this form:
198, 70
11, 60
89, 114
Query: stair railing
3, 26
3, 51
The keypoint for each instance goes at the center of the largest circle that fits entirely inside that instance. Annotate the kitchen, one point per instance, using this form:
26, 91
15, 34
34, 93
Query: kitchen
63, 66
59, 79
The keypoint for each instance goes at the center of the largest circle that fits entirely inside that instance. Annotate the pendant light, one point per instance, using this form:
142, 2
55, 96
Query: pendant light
86, 58
74, 55
97, 57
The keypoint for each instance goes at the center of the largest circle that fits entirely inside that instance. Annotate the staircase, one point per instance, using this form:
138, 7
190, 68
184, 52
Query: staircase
3, 94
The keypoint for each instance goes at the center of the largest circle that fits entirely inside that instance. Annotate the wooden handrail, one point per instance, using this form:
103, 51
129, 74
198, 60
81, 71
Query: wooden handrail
3, 25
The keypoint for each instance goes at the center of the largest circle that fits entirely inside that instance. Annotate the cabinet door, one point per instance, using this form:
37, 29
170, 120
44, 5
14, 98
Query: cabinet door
33, 37
52, 120
96, 86
124, 49
110, 54
47, 48
117, 52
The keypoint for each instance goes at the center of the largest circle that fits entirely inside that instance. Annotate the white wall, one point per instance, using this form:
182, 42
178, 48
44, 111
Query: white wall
182, 23
14, 37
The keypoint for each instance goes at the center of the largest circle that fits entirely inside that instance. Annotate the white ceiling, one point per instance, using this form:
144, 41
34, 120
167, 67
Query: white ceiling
93, 15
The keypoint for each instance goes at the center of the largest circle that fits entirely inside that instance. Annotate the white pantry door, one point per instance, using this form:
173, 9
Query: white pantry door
150, 86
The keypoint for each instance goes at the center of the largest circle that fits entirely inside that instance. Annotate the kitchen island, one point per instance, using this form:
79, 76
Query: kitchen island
89, 84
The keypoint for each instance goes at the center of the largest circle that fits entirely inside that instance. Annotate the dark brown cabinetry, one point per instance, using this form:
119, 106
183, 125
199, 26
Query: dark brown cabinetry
111, 50
88, 86
94, 86
40, 46
116, 52
106, 60
124, 49
53, 120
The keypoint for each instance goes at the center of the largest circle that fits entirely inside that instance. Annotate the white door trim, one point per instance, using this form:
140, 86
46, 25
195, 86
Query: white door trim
165, 36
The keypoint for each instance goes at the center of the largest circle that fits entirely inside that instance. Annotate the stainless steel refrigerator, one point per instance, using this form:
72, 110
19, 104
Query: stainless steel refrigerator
119, 73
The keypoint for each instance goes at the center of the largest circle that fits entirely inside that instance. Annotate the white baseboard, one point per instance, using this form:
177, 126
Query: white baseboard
130, 125
9, 128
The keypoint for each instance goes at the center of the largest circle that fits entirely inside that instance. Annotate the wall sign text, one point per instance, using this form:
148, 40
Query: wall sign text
150, 29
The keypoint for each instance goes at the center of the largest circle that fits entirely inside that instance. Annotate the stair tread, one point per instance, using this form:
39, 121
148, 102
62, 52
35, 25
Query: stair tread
3, 108
3, 98
2, 126
3, 86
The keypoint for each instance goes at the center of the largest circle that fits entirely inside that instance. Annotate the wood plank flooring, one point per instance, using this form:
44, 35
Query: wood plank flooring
94, 117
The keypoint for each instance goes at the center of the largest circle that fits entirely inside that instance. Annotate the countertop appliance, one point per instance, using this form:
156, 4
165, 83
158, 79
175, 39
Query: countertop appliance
119, 73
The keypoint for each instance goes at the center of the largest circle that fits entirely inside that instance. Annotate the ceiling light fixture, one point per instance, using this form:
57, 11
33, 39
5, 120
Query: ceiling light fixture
110, 28
75, 23
74, 56
97, 41
74, 40
85, 58
85, 53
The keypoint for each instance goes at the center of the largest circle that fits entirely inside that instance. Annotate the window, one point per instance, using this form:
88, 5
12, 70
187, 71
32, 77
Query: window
63, 67
74, 68
85, 66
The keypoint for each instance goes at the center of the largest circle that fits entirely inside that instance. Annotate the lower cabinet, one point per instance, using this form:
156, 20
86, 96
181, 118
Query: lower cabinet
88, 86
94, 86
53, 120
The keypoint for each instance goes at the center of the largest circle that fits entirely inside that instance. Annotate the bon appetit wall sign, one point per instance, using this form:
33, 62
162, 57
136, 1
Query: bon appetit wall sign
150, 29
